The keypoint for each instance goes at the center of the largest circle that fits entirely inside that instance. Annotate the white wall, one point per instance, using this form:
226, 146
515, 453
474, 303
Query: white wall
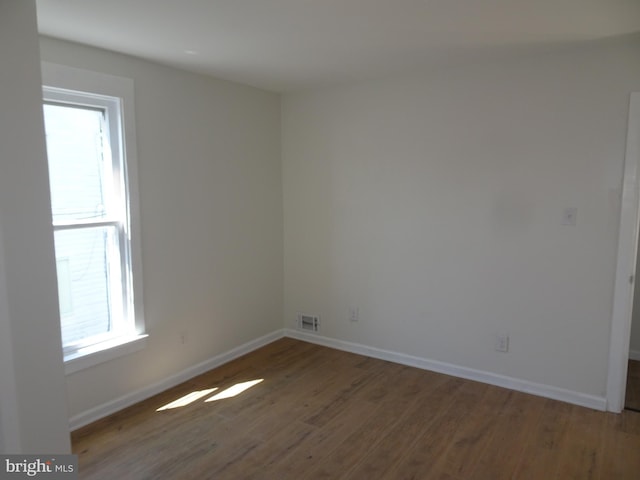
634, 345
10, 438
32, 395
433, 203
211, 210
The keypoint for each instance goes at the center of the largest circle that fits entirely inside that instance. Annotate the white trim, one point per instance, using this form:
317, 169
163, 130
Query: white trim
625, 266
103, 352
634, 355
101, 411
63, 82
115, 95
547, 391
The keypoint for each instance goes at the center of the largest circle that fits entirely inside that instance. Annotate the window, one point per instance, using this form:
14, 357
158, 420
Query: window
92, 179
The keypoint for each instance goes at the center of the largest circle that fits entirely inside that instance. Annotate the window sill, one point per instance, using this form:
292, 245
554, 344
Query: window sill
103, 352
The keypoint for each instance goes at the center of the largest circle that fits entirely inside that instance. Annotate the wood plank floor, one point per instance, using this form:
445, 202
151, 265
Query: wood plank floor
632, 398
320, 413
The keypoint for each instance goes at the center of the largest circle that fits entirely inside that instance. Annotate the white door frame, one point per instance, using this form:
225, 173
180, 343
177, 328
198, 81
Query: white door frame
626, 264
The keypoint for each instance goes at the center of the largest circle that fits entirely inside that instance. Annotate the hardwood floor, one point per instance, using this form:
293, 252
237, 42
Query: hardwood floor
322, 413
632, 397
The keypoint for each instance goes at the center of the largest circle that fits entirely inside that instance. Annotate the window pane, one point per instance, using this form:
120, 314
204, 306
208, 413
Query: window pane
84, 281
77, 172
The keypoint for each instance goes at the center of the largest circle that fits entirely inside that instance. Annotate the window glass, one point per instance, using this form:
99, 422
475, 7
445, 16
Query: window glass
79, 173
85, 281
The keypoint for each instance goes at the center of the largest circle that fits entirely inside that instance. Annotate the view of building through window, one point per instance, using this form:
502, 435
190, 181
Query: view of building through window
88, 218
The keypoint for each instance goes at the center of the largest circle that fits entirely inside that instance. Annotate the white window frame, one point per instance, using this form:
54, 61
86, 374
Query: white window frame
62, 84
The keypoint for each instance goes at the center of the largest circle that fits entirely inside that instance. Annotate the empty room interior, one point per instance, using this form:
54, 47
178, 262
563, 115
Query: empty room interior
358, 239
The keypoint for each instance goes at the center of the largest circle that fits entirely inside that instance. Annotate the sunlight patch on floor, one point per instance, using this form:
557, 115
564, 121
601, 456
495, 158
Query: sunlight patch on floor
237, 389
187, 399
196, 395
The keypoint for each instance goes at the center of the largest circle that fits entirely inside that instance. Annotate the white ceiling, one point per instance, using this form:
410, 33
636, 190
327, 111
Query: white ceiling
285, 45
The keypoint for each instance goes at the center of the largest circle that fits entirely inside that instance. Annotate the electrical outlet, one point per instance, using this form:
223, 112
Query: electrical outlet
354, 314
502, 342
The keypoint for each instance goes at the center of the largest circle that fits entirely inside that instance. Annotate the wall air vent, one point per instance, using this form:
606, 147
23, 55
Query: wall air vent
309, 323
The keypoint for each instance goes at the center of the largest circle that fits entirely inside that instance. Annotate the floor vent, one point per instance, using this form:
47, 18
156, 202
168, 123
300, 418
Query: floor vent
310, 323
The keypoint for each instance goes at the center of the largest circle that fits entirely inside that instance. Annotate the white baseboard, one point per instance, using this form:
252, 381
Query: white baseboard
547, 391
634, 354
132, 398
